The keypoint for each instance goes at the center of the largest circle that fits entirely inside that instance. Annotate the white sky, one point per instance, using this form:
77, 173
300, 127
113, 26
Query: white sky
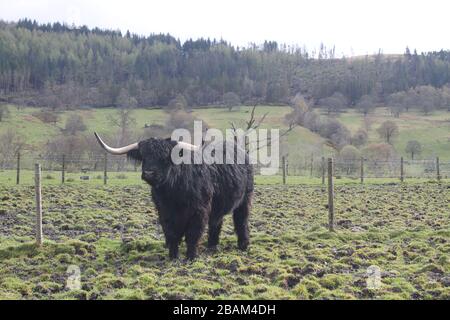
355, 27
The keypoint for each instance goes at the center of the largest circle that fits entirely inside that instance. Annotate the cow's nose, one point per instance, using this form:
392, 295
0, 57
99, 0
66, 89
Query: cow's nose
147, 174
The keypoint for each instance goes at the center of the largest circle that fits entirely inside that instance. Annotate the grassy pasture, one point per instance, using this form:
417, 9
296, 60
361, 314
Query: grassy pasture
112, 234
432, 131
8, 178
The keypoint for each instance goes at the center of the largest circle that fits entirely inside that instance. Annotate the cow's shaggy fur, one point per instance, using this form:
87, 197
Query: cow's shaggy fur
190, 196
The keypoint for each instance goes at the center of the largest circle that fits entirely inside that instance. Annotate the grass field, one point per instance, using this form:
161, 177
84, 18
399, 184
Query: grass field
432, 131
112, 235
8, 178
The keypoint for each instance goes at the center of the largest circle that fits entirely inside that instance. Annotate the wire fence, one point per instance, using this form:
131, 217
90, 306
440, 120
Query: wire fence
103, 167
366, 168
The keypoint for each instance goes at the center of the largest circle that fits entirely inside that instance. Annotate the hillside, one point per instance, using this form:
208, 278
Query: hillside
59, 66
432, 131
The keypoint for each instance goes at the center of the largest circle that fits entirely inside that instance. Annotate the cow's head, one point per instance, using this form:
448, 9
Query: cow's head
153, 153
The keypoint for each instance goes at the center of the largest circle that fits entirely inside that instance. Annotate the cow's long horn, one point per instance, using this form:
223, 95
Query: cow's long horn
116, 151
187, 146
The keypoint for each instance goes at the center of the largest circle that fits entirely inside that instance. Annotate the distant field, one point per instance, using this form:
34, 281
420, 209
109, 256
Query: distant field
8, 178
432, 131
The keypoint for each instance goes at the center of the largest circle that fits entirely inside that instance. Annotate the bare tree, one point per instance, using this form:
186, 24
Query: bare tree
334, 103
413, 147
124, 100
182, 119
299, 112
366, 104
231, 100
92, 151
51, 97
379, 152
396, 103
411, 99
73, 147
252, 124
445, 98
4, 112
388, 131
74, 124
336, 134
177, 103
368, 121
360, 138
428, 97
11, 142
123, 120
348, 159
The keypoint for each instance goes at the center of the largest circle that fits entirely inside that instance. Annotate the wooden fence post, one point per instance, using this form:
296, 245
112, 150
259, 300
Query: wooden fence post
63, 172
18, 168
401, 170
362, 170
283, 164
323, 170
38, 190
311, 165
438, 172
330, 195
105, 173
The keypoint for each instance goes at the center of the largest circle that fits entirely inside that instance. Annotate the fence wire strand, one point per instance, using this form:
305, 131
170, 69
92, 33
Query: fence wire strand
349, 168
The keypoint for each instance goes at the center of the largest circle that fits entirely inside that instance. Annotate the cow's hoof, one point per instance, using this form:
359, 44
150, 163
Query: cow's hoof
173, 256
243, 245
191, 257
191, 254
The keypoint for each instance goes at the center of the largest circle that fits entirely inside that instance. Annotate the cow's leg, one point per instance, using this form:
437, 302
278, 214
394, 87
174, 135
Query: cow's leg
214, 228
173, 241
173, 249
193, 234
240, 218
173, 234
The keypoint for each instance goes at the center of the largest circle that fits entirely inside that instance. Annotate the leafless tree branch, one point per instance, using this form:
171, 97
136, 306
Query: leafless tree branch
253, 124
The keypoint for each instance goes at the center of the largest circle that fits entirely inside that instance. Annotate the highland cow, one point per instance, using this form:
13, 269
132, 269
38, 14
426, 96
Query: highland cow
189, 196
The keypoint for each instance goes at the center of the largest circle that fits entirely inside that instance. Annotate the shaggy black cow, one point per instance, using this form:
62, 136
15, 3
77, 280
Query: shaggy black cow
189, 196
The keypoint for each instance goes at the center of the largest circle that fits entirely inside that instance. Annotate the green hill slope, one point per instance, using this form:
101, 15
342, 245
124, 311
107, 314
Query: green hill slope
432, 131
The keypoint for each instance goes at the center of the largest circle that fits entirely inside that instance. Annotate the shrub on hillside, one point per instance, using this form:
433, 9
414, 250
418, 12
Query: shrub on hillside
349, 159
47, 116
359, 138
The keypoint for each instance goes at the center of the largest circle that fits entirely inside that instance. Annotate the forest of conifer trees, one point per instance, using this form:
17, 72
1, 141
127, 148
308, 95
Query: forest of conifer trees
62, 67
